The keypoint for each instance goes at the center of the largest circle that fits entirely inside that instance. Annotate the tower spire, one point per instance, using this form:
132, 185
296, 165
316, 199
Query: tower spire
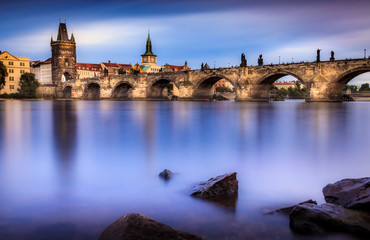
148, 51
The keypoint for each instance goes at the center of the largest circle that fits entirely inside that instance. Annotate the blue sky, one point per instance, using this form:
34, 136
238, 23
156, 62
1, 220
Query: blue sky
193, 31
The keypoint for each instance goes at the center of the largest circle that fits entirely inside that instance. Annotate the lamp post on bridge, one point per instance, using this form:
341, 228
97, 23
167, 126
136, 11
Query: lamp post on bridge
279, 60
365, 53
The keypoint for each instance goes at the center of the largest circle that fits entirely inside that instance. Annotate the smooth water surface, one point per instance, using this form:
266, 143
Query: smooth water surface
70, 168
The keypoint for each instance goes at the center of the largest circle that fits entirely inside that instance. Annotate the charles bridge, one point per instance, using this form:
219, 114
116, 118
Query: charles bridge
324, 81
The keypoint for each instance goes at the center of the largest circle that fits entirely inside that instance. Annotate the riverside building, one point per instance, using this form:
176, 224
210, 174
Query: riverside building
16, 66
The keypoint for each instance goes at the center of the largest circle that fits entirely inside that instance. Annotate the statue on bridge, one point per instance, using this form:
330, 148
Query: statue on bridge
243, 61
332, 56
318, 55
202, 67
105, 72
260, 60
206, 67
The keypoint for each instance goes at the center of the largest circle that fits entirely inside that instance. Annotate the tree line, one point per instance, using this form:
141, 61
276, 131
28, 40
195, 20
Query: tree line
364, 87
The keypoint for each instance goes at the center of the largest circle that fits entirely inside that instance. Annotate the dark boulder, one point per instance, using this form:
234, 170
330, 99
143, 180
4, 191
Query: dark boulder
166, 174
287, 210
137, 226
221, 186
311, 218
349, 193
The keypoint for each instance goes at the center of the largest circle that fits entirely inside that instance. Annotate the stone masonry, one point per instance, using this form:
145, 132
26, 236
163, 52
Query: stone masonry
324, 82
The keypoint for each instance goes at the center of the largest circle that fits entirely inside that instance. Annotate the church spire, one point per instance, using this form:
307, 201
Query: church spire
148, 51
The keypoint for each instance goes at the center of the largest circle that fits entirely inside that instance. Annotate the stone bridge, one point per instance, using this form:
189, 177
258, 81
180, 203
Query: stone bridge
324, 82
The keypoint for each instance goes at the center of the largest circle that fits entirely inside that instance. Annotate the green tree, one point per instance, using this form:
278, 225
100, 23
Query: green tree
3, 75
122, 71
283, 92
298, 84
365, 87
28, 85
352, 87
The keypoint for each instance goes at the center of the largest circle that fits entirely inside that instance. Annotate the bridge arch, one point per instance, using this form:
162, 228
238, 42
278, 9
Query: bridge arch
92, 91
262, 89
351, 74
272, 77
156, 88
67, 92
203, 89
336, 87
122, 91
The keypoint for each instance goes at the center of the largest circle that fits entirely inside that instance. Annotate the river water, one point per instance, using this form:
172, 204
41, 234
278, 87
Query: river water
70, 168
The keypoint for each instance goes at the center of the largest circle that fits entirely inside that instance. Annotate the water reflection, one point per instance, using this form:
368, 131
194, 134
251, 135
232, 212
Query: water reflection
76, 166
65, 131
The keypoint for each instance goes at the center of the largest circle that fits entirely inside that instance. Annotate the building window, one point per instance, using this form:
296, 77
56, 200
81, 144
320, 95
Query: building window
23, 71
11, 78
22, 64
11, 63
11, 86
11, 70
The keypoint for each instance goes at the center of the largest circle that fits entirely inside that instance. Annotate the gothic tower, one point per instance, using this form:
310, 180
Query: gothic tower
149, 58
63, 55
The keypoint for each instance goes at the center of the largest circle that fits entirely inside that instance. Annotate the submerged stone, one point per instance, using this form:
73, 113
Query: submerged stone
221, 186
137, 226
311, 218
287, 210
166, 174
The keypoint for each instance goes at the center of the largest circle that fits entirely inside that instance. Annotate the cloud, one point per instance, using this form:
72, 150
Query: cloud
220, 36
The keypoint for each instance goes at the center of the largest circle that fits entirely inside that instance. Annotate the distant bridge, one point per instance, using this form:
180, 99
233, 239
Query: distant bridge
324, 82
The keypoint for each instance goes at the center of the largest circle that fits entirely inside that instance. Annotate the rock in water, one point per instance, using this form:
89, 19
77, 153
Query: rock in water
220, 186
349, 193
311, 218
166, 174
137, 226
288, 210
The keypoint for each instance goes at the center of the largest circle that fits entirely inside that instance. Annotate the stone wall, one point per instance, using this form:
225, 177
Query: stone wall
46, 92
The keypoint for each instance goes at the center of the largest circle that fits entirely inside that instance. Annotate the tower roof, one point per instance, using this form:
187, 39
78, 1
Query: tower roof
148, 51
62, 33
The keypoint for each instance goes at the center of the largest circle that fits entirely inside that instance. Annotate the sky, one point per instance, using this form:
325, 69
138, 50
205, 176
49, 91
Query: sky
196, 31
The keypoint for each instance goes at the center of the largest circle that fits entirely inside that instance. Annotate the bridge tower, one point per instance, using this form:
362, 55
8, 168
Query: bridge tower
63, 55
149, 58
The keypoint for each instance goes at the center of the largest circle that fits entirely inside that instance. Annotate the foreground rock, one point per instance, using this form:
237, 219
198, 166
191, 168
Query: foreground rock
288, 210
137, 226
166, 174
221, 186
349, 193
311, 218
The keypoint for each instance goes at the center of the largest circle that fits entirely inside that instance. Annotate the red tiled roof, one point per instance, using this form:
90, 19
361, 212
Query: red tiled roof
124, 66
117, 65
178, 68
88, 66
38, 62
